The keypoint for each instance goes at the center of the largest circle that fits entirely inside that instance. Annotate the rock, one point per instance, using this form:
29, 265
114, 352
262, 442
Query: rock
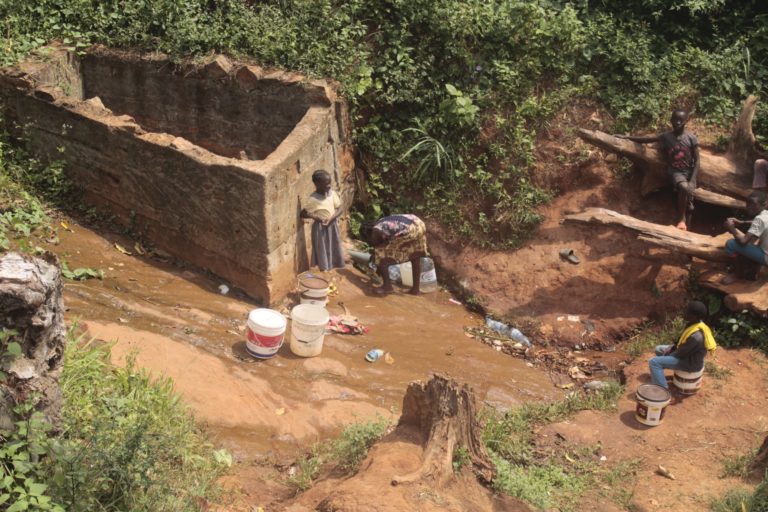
595, 385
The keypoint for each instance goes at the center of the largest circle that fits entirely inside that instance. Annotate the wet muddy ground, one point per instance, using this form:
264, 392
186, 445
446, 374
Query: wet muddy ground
176, 323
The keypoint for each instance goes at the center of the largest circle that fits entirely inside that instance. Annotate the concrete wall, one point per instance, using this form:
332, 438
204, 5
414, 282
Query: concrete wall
156, 148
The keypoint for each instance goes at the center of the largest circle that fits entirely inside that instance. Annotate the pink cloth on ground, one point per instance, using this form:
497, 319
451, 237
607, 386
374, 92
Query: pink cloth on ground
760, 177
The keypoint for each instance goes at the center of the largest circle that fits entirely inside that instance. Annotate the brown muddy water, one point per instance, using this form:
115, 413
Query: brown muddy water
177, 324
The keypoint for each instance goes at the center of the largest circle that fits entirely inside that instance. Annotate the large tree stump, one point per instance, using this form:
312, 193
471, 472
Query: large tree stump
723, 177
31, 304
760, 463
702, 246
445, 413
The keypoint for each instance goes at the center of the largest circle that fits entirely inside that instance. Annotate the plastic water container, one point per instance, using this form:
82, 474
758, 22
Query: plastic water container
265, 331
313, 286
428, 275
308, 323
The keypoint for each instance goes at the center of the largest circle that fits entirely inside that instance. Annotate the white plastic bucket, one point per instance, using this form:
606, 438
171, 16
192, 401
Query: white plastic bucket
308, 323
265, 331
316, 301
688, 382
428, 278
313, 286
652, 400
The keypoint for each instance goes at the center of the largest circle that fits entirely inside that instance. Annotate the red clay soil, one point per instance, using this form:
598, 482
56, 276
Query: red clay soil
724, 420
370, 490
619, 282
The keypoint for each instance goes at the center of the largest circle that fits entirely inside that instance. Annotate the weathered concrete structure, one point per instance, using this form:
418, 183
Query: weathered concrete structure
209, 161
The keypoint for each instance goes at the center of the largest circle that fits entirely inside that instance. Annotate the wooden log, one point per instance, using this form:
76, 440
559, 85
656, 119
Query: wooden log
445, 413
702, 246
729, 174
740, 295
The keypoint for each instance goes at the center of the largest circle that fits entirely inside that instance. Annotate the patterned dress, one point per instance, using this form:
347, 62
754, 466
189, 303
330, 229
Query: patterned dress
406, 235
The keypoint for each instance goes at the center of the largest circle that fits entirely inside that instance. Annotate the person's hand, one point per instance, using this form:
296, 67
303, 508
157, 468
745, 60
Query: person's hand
325, 222
730, 223
668, 350
304, 214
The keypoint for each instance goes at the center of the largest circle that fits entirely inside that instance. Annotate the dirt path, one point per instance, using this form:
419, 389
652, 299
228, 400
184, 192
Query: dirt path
726, 419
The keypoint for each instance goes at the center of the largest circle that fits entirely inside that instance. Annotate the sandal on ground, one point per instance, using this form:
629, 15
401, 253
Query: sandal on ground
570, 256
728, 279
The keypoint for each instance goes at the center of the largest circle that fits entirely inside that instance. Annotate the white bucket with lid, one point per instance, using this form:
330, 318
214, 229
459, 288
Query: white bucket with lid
308, 323
313, 286
317, 301
265, 331
652, 400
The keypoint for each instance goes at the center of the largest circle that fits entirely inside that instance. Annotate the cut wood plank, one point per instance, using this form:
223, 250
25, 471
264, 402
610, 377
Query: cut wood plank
751, 295
729, 174
702, 246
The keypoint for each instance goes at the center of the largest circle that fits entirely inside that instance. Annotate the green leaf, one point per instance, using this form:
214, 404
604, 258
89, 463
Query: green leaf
36, 489
19, 505
13, 349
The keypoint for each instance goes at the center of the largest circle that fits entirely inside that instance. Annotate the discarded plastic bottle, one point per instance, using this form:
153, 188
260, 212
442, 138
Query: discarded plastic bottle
495, 325
506, 330
519, 337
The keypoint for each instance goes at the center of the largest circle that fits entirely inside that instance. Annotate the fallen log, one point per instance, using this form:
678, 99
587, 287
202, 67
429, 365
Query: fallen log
445, 413
719, 175
701, 246
740, 295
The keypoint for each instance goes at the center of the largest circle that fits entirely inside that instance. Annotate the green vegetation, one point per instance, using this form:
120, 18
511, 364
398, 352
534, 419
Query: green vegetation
345, 453
450, 96
646, 337
735, 500
547, 480
717, 372
125, 443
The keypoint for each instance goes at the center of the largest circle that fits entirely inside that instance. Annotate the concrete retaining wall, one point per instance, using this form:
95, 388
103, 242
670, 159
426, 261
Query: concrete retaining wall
207, 161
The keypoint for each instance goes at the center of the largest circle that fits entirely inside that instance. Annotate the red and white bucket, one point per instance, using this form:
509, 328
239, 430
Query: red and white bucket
266, 330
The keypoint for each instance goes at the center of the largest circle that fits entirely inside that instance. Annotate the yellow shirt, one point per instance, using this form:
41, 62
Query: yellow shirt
323, 206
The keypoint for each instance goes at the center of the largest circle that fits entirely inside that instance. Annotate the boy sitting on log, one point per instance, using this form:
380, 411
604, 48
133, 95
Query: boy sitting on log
680, 149
749, 249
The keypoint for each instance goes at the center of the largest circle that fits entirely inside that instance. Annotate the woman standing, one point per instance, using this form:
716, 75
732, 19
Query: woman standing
324, 207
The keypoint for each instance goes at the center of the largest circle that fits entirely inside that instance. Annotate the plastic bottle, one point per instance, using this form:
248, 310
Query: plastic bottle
519, 337
506, 330
495, 325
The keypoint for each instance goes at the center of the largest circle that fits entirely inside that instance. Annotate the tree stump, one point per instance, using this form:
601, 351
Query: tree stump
445, 413
722, 177
760, 463
31, 304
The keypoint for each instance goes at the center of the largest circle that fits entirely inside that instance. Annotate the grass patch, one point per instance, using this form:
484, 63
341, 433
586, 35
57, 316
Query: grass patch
545, 480
738, 466
716, 371
735, 500
127, 442
345, 453
646, 338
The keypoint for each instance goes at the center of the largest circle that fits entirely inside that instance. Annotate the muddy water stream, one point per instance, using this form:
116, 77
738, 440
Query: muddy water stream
177, 324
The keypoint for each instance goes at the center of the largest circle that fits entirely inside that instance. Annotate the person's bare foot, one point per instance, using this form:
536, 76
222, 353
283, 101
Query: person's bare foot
381, 291
414, 292
682, 225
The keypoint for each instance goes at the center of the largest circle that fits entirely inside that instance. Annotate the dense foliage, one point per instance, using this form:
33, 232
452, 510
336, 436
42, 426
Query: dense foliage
449, 95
